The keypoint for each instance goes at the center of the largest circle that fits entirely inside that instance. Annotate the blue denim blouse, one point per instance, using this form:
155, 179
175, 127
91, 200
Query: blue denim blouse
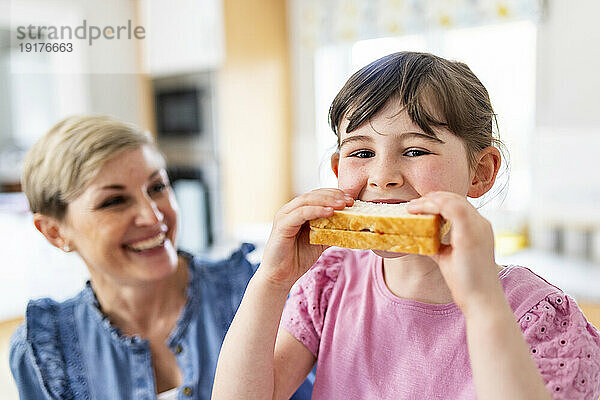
70, 350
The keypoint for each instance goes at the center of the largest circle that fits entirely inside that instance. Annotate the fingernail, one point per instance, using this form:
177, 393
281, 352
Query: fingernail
340, 202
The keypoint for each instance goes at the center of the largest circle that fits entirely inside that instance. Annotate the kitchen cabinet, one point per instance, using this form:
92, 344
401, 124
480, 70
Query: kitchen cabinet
183, 36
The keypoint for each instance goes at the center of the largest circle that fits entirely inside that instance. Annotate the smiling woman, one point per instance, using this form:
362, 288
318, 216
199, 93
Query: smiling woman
124, 223
151, 319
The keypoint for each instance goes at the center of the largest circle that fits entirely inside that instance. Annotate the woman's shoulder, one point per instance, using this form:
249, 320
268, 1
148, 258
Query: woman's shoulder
47, 315
47, 306
37, 351
47, 319
218, 284
221, 278
236, 263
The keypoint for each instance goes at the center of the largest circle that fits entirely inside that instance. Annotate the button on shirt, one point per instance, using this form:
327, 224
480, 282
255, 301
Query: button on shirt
70, 350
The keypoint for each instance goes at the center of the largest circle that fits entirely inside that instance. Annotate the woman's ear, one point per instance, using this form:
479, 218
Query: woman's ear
335, 162
484, 174
52, 229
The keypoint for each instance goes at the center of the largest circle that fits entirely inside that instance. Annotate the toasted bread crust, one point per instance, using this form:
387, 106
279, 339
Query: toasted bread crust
376, 241
417, 225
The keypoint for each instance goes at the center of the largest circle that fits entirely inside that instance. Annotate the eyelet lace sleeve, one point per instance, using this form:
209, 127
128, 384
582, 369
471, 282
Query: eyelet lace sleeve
565, 347
306, 305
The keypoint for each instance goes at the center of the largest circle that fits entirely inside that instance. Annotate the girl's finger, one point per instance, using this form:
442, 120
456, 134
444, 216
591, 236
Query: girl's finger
324, 197
289, 224
422, 206
451, 206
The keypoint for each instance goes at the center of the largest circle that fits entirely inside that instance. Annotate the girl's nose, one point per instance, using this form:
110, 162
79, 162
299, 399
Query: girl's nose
148, 213
385, 173
385, 178
383, 183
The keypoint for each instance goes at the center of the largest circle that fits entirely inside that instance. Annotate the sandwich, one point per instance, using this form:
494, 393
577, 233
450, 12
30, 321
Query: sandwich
380, 226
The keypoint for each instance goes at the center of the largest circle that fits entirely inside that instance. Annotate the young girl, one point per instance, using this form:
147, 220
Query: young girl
415, 128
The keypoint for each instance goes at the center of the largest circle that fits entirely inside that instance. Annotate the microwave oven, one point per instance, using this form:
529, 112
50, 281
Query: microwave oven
179, 112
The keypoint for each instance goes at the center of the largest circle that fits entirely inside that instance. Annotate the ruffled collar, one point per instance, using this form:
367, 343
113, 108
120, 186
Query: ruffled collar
90, 299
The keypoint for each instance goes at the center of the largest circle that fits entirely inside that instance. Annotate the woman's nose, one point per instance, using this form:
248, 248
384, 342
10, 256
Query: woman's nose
148, 213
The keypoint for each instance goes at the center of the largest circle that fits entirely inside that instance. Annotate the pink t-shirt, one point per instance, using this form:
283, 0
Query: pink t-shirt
371, 344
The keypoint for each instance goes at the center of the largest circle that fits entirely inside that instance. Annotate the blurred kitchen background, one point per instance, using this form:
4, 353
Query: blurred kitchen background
237, 93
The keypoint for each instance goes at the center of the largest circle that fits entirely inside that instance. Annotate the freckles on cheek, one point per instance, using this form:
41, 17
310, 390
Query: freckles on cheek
430, 179
441, 177
351, 181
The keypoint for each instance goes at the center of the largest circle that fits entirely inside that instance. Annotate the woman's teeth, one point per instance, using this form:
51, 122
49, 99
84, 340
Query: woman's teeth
148, 243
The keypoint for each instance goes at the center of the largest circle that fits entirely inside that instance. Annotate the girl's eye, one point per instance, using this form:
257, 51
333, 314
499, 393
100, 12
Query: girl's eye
416, 153
157, 188
112, 201
363, 154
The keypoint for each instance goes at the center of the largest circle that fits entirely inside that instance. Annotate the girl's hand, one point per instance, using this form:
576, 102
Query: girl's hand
288, 253
468, 263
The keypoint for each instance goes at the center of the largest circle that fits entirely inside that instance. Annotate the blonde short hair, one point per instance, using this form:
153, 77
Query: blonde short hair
62, 163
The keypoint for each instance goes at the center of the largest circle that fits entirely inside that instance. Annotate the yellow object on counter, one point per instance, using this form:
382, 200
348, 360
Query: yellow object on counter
507, 243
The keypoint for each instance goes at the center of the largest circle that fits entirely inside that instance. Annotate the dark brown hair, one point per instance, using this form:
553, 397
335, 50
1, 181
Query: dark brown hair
435, 92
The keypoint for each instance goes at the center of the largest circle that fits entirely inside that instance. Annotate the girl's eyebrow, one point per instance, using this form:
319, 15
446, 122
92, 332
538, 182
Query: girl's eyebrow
429, 138
365, 138
356, 138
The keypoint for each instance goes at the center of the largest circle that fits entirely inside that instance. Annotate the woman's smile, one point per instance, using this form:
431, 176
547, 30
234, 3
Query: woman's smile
148, 244
130, 236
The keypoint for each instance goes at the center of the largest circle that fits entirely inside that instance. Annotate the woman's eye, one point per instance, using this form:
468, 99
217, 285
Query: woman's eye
112, 201
363, 154
157, 188
416, 153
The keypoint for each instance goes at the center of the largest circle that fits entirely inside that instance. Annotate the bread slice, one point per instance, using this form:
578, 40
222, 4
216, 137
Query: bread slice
379, 226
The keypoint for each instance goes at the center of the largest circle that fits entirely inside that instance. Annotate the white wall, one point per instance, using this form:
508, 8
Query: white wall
565, 183
5, 108
116, 95
113, 83
97, 79
569, 65
305, 153
31, 266
100, 78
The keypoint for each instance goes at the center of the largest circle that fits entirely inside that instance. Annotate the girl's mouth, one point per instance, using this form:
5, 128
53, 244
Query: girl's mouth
388, 201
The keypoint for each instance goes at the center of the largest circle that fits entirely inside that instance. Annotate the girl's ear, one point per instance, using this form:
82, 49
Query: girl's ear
485, 171
335, 162
51, 228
